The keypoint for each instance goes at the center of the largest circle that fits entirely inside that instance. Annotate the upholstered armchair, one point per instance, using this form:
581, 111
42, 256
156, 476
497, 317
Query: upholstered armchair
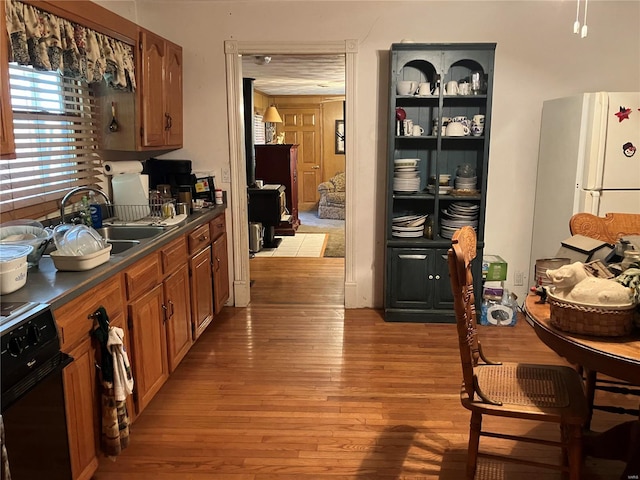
332, 198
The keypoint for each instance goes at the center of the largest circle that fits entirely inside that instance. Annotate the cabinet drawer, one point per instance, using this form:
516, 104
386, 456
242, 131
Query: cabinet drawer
198, 238
218, 226
173, 255
73, 319
142, 276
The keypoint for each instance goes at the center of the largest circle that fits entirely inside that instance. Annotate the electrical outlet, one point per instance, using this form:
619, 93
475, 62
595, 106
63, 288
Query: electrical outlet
518, 278
226, 175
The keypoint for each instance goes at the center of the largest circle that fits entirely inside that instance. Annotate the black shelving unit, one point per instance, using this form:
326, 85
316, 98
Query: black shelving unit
417, 286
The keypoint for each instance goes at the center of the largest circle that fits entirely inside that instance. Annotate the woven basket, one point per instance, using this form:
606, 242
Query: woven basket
590, 320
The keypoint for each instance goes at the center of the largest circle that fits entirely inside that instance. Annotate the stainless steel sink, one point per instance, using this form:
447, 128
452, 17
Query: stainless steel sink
130, 232
120, 246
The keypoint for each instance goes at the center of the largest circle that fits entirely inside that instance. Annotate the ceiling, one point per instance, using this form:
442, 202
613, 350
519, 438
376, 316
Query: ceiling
296, 74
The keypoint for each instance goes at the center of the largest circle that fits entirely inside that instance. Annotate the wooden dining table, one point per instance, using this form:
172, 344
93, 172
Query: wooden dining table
617, 357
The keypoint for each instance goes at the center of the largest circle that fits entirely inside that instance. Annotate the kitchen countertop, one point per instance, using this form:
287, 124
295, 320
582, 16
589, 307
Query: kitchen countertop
45, 284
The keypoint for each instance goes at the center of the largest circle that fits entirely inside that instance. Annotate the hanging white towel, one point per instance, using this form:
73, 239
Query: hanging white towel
122, 376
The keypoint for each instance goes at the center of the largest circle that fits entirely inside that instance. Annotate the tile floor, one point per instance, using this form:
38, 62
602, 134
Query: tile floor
298, 245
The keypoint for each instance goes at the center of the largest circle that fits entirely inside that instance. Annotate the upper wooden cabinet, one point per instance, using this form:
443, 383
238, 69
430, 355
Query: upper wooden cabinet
7, 146
160, 92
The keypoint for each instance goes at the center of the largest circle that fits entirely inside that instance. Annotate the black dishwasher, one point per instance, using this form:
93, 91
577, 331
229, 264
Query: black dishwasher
33, 409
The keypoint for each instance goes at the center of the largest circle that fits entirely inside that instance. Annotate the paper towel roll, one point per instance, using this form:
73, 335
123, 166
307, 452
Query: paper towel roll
115, 168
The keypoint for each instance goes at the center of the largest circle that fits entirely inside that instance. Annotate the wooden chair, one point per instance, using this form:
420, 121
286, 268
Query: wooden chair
610, 229
546, 393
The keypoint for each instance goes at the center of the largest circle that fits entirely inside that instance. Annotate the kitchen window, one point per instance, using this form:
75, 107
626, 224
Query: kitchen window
56, 137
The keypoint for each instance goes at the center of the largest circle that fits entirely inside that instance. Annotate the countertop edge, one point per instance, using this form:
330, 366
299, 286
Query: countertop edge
45, 284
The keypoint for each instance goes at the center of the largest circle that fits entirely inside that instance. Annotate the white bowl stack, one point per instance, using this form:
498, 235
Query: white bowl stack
406, 177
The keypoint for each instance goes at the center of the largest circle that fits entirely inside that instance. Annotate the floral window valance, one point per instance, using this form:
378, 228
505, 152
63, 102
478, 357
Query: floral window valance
48, 42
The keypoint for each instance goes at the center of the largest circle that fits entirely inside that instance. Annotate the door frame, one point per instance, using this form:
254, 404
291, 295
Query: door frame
233, 50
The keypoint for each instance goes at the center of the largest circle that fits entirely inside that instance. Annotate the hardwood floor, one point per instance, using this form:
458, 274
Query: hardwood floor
295, 387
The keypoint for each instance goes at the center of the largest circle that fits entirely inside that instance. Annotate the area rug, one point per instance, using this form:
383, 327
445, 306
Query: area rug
298, 245
310, 223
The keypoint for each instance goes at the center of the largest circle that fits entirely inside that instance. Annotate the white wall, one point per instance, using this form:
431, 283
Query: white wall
537, 58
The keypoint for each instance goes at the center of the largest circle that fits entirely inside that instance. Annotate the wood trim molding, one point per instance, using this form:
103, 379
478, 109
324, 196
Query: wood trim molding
233, 49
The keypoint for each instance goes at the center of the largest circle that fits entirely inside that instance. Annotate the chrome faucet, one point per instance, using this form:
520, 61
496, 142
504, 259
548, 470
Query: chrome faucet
72, 192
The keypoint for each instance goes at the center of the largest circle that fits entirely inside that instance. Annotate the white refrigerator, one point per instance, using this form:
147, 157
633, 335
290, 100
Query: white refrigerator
588, 161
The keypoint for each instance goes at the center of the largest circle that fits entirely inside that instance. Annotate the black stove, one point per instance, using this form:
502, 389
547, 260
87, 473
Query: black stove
29, 343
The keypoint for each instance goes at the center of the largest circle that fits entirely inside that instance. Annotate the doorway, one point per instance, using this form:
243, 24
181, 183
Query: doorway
233, 50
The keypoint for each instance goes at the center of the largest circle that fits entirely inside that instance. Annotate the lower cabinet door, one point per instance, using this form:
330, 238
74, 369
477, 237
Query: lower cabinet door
442, 294
149, 339
201, 291
410, 285
220, 272
81, 407
177, 304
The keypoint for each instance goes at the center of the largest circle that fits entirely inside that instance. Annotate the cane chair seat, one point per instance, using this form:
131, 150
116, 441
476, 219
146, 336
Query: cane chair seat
544, 393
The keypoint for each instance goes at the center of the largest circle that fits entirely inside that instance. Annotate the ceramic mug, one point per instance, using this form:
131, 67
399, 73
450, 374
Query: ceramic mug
408, 127
464, 88
424, 89
479, 119
416, 131
477, 129
462, 119
457, 129
406, 87
452, 88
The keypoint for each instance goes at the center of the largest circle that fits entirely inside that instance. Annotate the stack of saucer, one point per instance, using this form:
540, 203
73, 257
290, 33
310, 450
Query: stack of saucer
466, 183
406, 177
457, 215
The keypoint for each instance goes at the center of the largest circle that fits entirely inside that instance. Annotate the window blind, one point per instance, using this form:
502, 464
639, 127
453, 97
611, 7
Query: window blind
56, 135
258, 130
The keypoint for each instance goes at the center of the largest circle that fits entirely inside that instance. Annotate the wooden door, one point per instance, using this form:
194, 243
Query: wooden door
173, 92
81, 406
201, 291
220, 272
176, 295
152, 89
149, 337
302, 127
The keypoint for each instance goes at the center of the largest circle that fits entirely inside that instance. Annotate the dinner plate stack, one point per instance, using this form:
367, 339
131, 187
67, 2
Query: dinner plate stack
406, 177
408, 226
458, 215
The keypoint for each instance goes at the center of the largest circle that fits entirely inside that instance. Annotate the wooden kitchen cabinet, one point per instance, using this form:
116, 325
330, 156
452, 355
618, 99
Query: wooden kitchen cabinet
178, 312
160, 92
175, 269
201, 291
220, 265
82, 407
81, 398
220, 273
149, 345
7, 145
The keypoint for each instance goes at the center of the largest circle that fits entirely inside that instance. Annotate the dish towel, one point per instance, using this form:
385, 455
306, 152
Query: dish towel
115, 418
122, 377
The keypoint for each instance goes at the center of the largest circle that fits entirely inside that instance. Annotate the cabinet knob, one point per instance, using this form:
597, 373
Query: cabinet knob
437, 277
430, 277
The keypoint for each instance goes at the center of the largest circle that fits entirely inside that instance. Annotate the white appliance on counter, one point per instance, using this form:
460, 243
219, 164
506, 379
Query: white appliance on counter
588, 161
